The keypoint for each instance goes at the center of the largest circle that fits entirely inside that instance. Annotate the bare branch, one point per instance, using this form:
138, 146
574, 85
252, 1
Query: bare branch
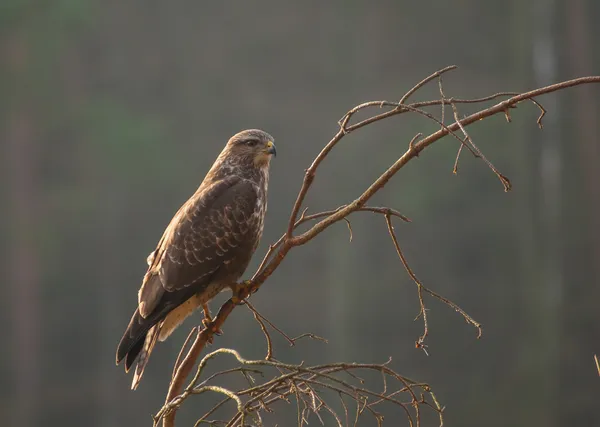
502, 178
451, 132
291, 341
425, 81
306, 377
301, 381
421, 288
183, 347
259, 318
423, 311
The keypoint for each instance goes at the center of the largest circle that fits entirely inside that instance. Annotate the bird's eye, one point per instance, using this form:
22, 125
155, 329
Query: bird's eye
251, 142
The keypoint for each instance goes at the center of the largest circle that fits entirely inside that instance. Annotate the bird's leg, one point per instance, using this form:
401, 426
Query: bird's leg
207, 318
208, 323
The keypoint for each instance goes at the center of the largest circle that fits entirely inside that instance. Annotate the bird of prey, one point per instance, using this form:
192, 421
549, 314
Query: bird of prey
205, 248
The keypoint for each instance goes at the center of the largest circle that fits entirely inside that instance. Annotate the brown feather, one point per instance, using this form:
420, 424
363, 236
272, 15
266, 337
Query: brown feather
149, 343
205, 248
177, 316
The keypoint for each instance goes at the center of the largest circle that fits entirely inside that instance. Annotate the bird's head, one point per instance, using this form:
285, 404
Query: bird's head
251, 147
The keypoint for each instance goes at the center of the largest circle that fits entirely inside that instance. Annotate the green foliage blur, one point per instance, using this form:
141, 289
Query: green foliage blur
113, 111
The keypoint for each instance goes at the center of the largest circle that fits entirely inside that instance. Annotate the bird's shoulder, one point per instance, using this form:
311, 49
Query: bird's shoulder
206, 233
191, 211
209, 229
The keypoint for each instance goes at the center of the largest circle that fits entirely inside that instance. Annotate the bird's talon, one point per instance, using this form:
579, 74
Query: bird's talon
213, 329
209, 324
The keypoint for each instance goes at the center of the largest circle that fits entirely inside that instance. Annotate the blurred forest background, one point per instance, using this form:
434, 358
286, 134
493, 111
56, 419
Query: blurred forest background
112, 113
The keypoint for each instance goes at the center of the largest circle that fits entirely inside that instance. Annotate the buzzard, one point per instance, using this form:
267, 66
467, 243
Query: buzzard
206, 247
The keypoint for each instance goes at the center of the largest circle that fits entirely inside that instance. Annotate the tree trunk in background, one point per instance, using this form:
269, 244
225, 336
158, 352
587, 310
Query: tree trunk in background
345, 300
545, 60
547, 291
581, 327
93, 175
539, 187
580, 60
23, 265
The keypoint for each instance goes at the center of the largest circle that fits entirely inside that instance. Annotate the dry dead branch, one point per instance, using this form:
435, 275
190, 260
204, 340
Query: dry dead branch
303, 383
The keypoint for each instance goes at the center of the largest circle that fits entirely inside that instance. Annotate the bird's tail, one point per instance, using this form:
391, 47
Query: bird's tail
138, 340
133, 339
144, 355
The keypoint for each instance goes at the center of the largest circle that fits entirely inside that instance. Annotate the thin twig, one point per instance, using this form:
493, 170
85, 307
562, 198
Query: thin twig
443, 126
504, 180
258, 318
421, 287
463, 143
309, 335
425, 81
420, 343
183, 347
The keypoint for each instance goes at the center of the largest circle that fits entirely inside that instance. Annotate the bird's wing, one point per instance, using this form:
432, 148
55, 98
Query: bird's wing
205, 234
214, 230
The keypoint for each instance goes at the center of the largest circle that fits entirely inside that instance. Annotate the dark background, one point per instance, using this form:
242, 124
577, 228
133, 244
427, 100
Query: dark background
112, 112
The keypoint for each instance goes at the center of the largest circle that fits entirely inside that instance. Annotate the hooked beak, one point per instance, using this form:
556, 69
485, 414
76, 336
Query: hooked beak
271, 148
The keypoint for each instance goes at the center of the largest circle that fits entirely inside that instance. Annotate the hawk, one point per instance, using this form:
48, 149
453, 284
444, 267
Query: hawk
206, 247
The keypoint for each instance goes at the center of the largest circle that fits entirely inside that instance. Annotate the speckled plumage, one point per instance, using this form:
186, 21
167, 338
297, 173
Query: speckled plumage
206, 247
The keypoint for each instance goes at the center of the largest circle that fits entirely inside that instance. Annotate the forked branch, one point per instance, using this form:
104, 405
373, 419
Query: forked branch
298, 381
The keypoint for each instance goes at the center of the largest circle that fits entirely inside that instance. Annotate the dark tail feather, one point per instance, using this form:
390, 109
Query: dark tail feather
138, 341
132, 354
133, 338
145, 350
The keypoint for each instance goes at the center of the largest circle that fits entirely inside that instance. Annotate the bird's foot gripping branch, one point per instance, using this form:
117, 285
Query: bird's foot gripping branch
306, 385
243, 290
